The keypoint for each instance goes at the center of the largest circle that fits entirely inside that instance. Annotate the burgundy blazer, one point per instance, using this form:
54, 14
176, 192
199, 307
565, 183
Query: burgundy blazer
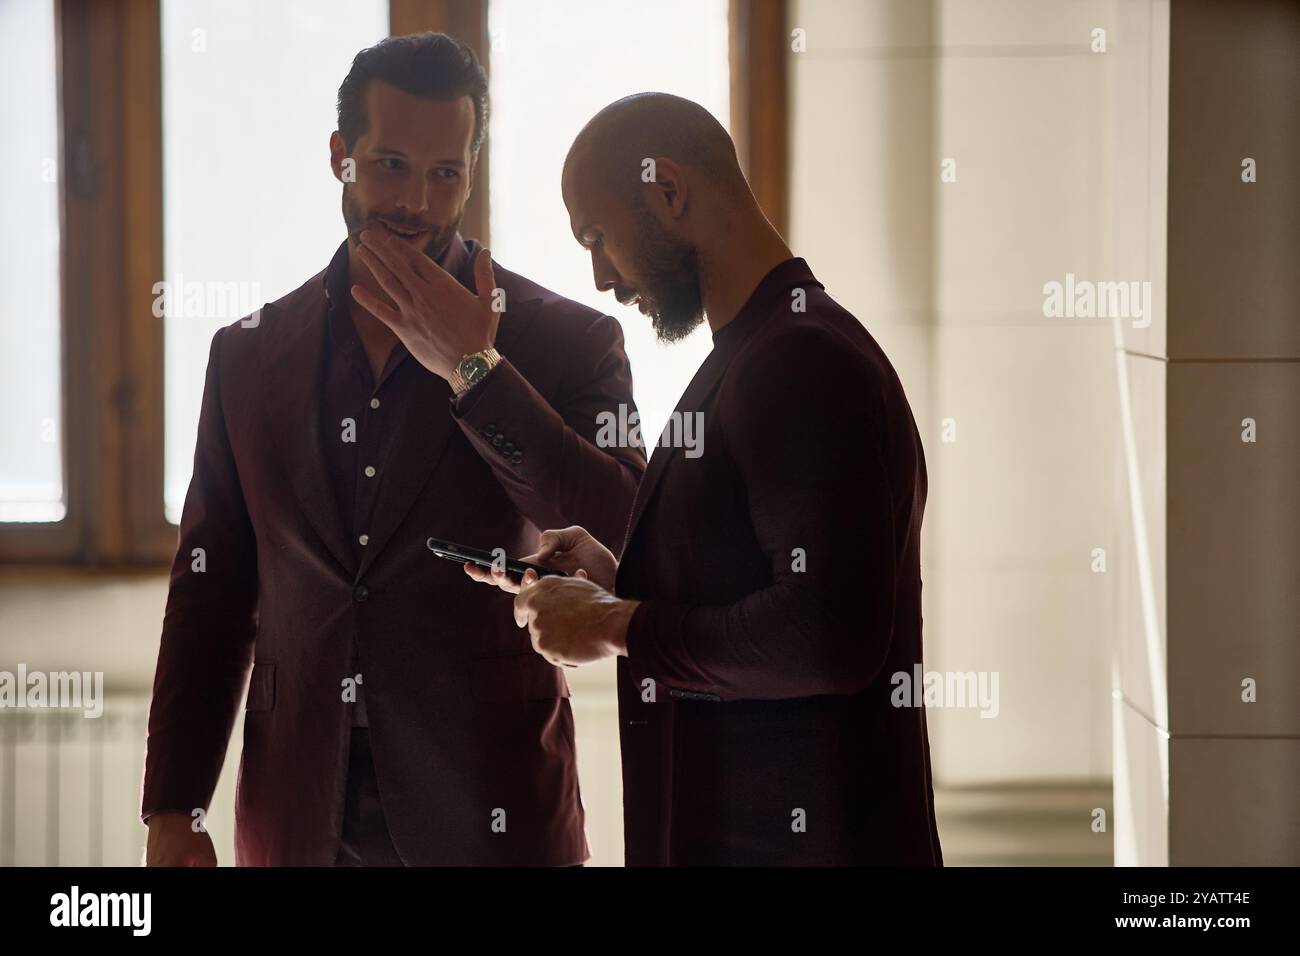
779, 569
471, 730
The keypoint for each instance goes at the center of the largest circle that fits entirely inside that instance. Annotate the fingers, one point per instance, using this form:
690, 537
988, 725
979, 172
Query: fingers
485, 282
492, 576
547, 546
404, 260
485, 285
561, 539
504, 581
377, 307
572, 536
394, 281
523, 600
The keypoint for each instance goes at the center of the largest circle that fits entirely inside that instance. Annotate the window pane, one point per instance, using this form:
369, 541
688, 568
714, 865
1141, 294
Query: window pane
554, 65
251, 207
31, 448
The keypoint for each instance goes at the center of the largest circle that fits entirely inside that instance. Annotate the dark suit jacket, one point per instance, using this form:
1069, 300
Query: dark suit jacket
780, 574
468, 725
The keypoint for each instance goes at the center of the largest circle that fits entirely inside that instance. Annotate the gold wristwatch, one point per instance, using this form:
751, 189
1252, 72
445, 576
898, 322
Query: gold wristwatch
472, 369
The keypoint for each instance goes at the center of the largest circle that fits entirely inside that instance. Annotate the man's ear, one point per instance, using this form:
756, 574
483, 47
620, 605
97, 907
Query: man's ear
338, 153
670, 191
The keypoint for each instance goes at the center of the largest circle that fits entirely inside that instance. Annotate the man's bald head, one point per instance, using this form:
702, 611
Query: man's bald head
645, 226
611, 149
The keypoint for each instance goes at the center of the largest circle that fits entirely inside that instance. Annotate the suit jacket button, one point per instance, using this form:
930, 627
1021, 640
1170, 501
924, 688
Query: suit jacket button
507, 448
497, 439
360, 593
490, 430
517, 457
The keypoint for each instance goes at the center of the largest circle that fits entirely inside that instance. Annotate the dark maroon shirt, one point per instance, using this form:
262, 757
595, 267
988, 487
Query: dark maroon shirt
358, 439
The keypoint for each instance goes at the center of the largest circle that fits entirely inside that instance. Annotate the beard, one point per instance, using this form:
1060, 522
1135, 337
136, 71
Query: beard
670, 282
358, 221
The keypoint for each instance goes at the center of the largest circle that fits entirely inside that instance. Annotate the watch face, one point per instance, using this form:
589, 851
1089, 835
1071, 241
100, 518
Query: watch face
473, 368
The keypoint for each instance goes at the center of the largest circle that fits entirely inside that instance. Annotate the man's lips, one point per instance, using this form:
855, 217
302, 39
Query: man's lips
404, 231
631, 299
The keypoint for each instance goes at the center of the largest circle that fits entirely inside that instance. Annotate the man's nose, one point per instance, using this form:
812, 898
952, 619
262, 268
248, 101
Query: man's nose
605, 275
415, 197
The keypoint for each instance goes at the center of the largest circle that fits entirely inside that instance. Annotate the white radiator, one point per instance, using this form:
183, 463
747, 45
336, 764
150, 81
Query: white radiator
70, 785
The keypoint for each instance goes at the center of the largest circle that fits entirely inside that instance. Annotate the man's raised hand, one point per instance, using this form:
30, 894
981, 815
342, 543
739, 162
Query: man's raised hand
435, 317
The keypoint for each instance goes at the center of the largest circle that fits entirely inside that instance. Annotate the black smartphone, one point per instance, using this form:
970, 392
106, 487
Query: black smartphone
484, 559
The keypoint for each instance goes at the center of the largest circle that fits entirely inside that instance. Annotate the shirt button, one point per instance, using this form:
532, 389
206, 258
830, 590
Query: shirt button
364, 539
360, 593
370, 471
374, 403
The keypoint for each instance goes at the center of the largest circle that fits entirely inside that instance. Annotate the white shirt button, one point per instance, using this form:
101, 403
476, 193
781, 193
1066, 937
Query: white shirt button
374, 403
364, 539
370, 471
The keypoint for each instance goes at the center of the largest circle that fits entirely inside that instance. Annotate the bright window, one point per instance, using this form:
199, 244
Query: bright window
31, 456
251, 207
554, 65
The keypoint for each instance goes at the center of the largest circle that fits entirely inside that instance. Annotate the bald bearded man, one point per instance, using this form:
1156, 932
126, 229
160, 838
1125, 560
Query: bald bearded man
770, 582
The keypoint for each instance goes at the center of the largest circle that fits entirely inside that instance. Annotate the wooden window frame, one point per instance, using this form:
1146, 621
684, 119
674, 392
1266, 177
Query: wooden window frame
111, 359
109, 59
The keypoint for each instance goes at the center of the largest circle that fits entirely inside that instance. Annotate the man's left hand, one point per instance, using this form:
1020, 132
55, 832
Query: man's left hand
437, 319
572, 620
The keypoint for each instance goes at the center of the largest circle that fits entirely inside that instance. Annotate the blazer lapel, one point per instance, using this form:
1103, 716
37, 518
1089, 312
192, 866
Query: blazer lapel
702, 385
291, 384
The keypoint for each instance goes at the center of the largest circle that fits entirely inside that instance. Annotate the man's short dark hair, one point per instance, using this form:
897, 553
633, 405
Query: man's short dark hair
432, 65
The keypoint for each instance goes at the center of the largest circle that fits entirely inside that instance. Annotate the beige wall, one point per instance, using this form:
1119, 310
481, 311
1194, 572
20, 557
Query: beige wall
1202, 776
948, 277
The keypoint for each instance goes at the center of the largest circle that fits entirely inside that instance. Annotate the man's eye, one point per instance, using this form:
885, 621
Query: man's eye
387, 160
446, 172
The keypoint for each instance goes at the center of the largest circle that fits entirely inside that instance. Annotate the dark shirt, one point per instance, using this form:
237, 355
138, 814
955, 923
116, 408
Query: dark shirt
356, 409
782, 278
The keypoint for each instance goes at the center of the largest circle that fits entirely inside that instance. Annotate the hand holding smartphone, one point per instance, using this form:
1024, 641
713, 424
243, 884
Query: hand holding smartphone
463, 554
